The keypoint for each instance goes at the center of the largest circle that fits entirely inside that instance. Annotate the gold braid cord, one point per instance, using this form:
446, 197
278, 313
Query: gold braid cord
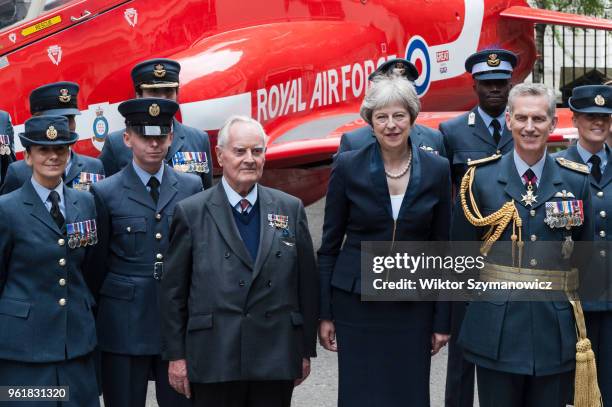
498, 221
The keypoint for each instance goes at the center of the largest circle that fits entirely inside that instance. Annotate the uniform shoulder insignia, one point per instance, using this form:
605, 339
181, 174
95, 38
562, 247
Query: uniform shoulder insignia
564, 162
484, 160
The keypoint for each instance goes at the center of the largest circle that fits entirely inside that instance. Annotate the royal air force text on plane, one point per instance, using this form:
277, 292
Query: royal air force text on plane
330, 87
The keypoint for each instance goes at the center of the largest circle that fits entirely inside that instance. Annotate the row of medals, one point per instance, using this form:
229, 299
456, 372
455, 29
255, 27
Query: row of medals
192, 167
89, 236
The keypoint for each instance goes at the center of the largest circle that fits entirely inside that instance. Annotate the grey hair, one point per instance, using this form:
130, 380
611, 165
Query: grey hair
533, 89
387, 90
224, 131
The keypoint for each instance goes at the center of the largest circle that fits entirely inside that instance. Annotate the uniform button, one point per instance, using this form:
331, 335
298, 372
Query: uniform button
498, 152
600, 194
62, 282
533, 262
602, 253
602, 214
61, 242
532, 212
159, 256
269, 283
278, 254
62, 302
158, 236
226, 255
128, 229
241, 283
469, 159
534, 238
158, 216
62, 262
602, 233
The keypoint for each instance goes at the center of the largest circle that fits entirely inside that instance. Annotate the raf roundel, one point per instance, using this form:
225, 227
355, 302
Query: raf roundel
417, 52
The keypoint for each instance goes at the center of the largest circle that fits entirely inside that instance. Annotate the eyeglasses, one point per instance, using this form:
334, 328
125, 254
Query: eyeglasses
382, 119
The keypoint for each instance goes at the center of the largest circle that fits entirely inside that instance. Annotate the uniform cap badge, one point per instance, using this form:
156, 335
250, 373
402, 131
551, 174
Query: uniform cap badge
154, 110
599, 100
64, 96
159, 71
493, 60
51, 133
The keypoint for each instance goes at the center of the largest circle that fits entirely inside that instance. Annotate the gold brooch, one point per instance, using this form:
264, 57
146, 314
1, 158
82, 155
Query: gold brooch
599, 100
154, 110
64, 96
493, 60
51, 133
159, 71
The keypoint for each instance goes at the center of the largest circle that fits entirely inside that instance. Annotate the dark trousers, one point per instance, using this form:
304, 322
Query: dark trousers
501, 389
599, 330
125, 379
459, 390
261, 393
77, 374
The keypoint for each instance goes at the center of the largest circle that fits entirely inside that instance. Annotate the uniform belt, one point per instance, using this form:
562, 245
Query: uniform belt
127, 269
561, 280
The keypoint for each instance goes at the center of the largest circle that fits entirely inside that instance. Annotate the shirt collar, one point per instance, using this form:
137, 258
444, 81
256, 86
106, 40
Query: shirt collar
145, 176
488, 119
522, 166
43, 192
586, 155
234, 197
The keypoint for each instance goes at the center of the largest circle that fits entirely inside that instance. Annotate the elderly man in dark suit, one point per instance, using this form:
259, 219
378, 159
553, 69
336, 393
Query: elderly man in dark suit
135, 208
239, 303
48, 330
59, 98
7, 147
190, 148
422, 136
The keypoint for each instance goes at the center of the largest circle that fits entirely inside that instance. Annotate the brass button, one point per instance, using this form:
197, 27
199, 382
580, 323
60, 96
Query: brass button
600, 194
602, 233
159, 256
62, 302
129, 229
534, 238
62, 262
62, 282
533, 262
469, 159
498, 152
158, 216
532, 212
241, 283
158, 236
602, 253
602, 214
61, 242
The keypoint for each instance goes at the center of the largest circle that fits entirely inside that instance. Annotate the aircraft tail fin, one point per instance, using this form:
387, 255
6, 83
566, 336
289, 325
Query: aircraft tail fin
536, 15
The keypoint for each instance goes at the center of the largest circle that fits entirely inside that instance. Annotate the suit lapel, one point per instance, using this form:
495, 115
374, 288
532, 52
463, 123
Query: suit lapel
76, 167
481, 131
606, 177
72, 206
505, 138
177, 142
136, 189
378, 177
38, 209
548, 184
221, 212
414, 183
509, 176
167, 189
547, 187
266, 233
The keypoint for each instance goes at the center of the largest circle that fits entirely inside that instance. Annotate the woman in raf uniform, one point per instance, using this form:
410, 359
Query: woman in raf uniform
388, 190
47, 329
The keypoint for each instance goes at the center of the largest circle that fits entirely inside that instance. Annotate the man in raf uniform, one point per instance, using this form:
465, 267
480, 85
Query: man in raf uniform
59, 98
239, 302
423, 137
48, 330
525, 351
135, 208
479, 133
190, 149
7, 146
592, 106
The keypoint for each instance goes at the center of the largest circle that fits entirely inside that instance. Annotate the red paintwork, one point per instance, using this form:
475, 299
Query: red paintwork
236, 47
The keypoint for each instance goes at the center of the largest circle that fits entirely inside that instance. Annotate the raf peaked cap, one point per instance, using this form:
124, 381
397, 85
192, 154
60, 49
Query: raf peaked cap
47, 130
491, 64
399, 66
59, 98
591, 99
149, 116
156, 73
